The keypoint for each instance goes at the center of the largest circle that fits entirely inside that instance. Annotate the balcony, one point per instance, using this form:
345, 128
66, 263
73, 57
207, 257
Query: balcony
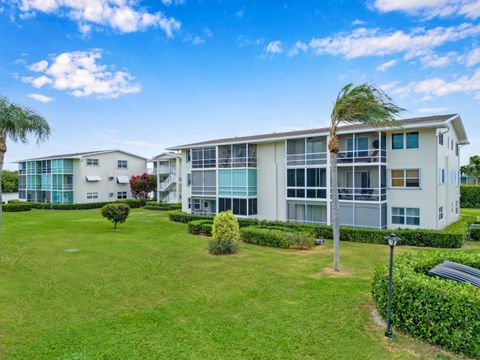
362, 194
204, 158
364, 148
237, 156
365, 184
307, 151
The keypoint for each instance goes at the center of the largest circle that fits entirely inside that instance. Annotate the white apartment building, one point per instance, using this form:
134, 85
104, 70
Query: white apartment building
401, 177
95, 176
167, 167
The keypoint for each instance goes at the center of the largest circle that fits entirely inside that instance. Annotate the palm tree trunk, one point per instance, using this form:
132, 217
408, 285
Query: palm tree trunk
335, 210
2, 154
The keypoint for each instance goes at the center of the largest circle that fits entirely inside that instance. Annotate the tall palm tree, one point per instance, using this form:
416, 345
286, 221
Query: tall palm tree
364, 104
17, 123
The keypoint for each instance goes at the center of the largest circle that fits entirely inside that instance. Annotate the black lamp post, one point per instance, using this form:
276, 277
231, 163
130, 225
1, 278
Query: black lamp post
392, 241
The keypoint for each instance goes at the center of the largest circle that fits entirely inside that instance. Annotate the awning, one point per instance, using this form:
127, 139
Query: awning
93, 178
122, 179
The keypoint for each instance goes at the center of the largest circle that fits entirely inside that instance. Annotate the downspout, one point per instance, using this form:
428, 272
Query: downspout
436, 175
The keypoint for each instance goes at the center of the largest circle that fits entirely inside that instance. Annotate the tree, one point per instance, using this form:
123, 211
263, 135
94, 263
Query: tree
17, 123
9, 181
472, 168
225, 234
362, 104
117, 213
142, 185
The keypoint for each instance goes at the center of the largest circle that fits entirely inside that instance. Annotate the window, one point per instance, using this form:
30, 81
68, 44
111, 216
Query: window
296, 183
189, 156
316, 178
397, 141
252, 206
122, 164
121, 195
451, 142
440, 139
457, 149
240, 206
412, 140
405, 178
452, 208
197, 204
189, 202
92, 195
92, 162
440, 213
441, 176
456, 206
406, 216
189, 179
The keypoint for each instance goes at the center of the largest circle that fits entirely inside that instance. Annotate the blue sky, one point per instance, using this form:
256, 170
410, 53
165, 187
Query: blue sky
145, 75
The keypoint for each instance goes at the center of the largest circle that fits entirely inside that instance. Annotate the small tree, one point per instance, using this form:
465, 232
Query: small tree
117, 213
472, 168
225, 234
142, 185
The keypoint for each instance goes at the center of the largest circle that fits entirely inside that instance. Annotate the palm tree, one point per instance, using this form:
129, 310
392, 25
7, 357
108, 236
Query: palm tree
364, 104
17, 123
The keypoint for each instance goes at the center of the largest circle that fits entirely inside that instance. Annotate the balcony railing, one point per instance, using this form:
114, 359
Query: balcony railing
362, 156
163, 169
204, 163
237, 162
204, 190
166, 182
319, 158
362, 194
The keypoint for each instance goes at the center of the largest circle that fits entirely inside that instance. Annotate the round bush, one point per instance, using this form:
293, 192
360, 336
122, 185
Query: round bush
225, 234
117, 213
443, 312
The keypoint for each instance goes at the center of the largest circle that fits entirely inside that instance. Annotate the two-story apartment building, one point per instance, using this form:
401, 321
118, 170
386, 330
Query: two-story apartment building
167, 167
94, 176
406, 176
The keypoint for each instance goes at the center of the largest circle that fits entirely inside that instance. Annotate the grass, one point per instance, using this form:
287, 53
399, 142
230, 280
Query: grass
151, 291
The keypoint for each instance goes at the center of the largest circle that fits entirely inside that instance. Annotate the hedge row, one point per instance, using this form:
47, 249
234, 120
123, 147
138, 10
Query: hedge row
153, 205
470, 196
200, 227
441, 311
419, 237
16, 207
278, 236
83, 206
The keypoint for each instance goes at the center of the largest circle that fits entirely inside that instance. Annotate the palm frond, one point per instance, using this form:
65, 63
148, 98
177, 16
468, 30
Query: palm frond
18, 122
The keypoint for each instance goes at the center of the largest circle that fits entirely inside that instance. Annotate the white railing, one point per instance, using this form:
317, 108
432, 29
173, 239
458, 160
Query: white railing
318, 158
170, 197
237, 162
362, 194
163, 169
170, 179
204, 163
362, 156
204, 190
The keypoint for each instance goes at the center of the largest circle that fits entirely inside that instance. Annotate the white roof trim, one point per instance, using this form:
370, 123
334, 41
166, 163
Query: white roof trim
93, 178
123, 179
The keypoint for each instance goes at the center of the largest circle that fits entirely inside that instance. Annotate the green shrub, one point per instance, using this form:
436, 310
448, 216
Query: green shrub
470, 196
412, 237
13, 201
225, 234
153, 205
16, 207
197, 227
278, 236
441, 311
117, 213
86, 206
474, 233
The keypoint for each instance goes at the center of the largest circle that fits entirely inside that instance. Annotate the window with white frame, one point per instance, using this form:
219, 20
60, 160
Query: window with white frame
92, 162
121, 195
405, 178
92, 195
440, 139
406, 216
189, 179
189, 202
441, 176
122, 164
188, 155
440, 213
456, 207
452, 207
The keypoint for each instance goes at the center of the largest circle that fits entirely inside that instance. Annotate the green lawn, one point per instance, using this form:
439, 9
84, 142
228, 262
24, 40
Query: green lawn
150, 291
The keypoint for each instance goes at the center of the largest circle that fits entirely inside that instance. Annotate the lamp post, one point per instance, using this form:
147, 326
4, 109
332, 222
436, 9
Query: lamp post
392, 241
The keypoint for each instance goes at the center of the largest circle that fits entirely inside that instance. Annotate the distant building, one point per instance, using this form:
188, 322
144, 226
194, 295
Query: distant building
94, 176
167, 167
398, 177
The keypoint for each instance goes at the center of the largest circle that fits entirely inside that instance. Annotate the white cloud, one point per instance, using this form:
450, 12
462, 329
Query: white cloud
431, 8
435, 110
244, 41
373, 42
173, 2
357, 22
40, 97
386, 65
79, 73
240, 13
121, 15
297, 48
274, 47
436, 61
473, 57
197, 40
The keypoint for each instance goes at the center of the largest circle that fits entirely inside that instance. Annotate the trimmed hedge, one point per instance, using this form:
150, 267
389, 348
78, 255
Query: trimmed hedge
418, 237
203, 227
469, 196
85, 206
153, 205
440, 311
474, 233
278, 236
16, 207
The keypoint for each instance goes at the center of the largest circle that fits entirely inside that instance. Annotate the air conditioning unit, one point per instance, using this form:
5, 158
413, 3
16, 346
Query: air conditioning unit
110, 178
